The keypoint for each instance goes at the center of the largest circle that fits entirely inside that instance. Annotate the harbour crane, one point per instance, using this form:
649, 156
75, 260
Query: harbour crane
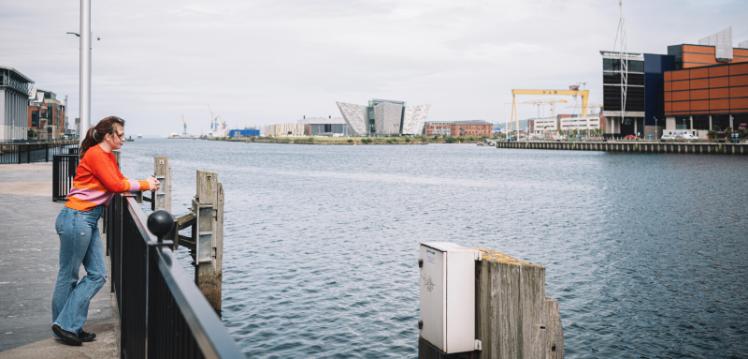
573, 91
539, 103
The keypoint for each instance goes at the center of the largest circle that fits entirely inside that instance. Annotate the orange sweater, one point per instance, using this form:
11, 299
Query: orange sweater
96, 180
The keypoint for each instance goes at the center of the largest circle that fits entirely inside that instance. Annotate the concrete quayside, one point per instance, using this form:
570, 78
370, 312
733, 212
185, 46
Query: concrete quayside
632, 146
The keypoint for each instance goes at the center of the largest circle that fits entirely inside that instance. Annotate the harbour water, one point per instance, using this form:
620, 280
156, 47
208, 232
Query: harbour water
646, 254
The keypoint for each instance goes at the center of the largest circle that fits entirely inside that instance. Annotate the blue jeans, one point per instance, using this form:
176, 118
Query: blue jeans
80, 243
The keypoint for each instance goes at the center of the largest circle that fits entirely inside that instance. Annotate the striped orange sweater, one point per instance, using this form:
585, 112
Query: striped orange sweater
96, 180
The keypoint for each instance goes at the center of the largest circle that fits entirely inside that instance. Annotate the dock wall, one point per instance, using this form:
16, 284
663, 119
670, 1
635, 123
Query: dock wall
641, 147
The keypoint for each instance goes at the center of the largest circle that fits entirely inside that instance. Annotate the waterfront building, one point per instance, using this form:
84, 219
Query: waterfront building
384, 118
623, 92
687, 56
46, 115
563, 123
707, 98
244, 132
325, 126
458, 128
633, 93
14, 101
579, 124
543, 125
696, 97
283, 130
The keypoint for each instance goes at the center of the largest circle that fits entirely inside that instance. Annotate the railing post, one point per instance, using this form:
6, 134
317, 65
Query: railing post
208, 209
162, 171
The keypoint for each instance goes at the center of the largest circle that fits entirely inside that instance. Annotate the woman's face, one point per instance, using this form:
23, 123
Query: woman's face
116, 139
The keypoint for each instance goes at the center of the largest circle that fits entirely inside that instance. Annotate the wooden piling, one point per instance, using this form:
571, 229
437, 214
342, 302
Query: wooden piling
208, 209
162, 172
515, 319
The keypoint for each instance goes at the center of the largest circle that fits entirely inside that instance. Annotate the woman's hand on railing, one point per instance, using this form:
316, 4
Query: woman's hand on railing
153, 183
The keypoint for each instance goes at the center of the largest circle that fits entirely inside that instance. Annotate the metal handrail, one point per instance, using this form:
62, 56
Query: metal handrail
192, 302
16, 153
176, 320
63, 172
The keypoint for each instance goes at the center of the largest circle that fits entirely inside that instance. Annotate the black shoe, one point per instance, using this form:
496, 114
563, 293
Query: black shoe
85, 336
65, 336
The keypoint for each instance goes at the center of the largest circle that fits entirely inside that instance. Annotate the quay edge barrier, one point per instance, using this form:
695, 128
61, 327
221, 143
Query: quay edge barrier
30, 152
162, 312
63, 173
634, 147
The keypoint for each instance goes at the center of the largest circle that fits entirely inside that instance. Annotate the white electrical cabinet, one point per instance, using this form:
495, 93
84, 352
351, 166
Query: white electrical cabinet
448, 296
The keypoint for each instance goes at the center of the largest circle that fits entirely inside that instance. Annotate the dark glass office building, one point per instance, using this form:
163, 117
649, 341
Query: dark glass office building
655, 66
640, 112
623, 98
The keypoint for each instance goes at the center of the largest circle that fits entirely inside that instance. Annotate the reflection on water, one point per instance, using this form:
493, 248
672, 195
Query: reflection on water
646, 254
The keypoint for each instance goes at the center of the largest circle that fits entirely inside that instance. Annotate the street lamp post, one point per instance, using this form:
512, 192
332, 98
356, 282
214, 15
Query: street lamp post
85, 69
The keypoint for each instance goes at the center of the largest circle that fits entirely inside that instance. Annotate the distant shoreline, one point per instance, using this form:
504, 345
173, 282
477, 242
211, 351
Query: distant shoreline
352, 141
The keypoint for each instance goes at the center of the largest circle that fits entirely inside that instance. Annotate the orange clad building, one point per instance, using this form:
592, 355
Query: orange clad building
688, 55
712, 97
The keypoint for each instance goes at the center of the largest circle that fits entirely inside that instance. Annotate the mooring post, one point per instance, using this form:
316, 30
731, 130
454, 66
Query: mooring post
208, 209
515, 319
162, 172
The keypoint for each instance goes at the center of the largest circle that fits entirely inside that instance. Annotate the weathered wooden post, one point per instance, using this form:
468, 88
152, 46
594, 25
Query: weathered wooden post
162, 172
513, 318
208, 209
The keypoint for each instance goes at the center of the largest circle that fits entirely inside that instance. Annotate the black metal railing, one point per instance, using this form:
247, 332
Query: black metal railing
162, 312
63, 173
34, 151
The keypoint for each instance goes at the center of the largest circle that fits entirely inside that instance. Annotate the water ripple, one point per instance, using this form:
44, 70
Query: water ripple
646, 254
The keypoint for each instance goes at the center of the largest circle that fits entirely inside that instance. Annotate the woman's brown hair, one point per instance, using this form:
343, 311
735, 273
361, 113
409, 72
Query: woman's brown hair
97, 133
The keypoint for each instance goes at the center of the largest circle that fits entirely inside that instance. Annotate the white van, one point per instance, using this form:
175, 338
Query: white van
688, 136
679, 135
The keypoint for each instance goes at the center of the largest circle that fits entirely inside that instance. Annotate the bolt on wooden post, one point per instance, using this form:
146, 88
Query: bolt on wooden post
208, 209
162, 172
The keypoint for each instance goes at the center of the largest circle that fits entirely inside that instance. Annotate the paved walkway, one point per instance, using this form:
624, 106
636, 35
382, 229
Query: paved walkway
29, 250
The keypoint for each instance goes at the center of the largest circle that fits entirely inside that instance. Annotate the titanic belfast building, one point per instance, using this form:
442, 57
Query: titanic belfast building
384, 118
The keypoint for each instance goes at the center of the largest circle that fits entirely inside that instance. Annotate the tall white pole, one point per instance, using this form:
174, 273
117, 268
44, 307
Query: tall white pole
85, 69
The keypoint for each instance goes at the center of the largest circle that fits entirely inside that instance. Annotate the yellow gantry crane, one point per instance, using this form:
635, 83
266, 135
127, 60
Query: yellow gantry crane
573, 91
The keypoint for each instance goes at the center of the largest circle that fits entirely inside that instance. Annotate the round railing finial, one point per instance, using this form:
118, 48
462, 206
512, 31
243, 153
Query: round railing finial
160, 223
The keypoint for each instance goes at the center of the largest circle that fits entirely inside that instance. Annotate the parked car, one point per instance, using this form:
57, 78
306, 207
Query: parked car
630, 137
668, 137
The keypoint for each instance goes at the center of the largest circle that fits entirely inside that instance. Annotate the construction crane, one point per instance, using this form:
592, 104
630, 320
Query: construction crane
573, 91
539, 103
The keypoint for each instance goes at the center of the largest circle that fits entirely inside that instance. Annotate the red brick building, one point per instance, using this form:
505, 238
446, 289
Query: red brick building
458, 128
46, 115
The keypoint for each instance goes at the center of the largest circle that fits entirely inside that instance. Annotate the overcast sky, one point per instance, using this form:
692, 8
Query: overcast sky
259, 62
